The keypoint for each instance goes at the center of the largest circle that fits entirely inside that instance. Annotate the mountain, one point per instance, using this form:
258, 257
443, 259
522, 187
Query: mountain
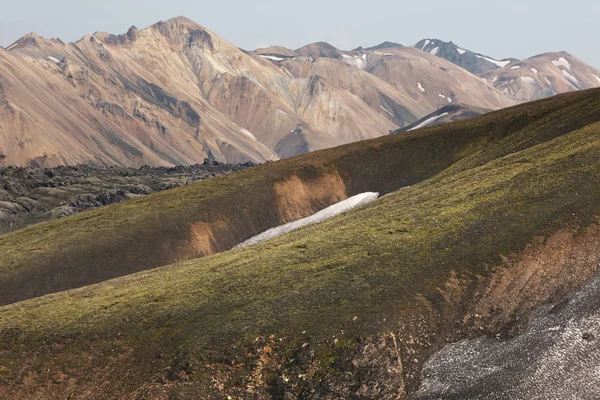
484, 222
445, 115
472, 62
176, 93
544, 75
127, 100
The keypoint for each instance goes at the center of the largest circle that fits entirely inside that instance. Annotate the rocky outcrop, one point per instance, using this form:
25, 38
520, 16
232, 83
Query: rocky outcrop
29, 196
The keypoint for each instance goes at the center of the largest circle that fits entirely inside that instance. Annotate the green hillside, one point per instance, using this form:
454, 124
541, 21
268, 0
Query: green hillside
295, 314
213, 216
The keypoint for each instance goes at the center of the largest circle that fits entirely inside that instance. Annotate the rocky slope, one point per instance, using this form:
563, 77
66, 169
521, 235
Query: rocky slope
472, 62
31, 195
556, 358
485, 220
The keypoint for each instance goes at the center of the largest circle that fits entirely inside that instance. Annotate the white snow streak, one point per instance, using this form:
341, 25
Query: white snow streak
428, 121
535, 71
386, 110
598, 79
54, 59
570, 77
421, 88
435, 51
516, 67
320, 216
272, 58
501, 64
460, 51
561, 62
248, 133
11, 46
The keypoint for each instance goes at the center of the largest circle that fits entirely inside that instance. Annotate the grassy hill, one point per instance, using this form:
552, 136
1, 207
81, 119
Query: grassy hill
347, 308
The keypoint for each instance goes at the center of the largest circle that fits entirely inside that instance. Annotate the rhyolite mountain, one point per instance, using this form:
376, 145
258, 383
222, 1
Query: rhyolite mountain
485, 224
544, 75
176, 93
534, 78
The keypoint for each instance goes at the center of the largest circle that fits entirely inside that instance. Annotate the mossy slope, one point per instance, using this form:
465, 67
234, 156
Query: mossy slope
158, 230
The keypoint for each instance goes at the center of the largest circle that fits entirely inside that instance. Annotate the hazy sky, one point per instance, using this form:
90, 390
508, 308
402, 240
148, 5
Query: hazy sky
507, 28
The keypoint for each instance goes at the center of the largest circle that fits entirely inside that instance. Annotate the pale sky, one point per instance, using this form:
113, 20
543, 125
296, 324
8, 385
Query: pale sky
500, 29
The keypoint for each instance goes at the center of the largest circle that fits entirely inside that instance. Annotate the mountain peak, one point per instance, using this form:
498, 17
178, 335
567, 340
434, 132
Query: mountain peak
30, 40
384, 45
319, 49
180, 21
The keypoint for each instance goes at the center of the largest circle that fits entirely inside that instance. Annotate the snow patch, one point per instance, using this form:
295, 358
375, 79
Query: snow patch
448, 99
516, 67
54, 59
494, 80
460, 51
428, 121
501, 64
570, 77
561, 62
426, 43
320, 216
12, 46
356, 61
598, 79
272, 58
535, 71
387, 54
386, 110
435, 51
421, 88
248, 133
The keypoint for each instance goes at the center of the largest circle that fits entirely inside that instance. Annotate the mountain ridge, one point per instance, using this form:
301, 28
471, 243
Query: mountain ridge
175, 93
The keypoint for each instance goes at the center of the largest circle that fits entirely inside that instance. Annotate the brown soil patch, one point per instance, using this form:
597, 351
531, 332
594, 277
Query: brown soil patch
298, 199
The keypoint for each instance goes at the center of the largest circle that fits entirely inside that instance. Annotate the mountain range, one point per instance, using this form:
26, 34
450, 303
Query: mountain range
176, 93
